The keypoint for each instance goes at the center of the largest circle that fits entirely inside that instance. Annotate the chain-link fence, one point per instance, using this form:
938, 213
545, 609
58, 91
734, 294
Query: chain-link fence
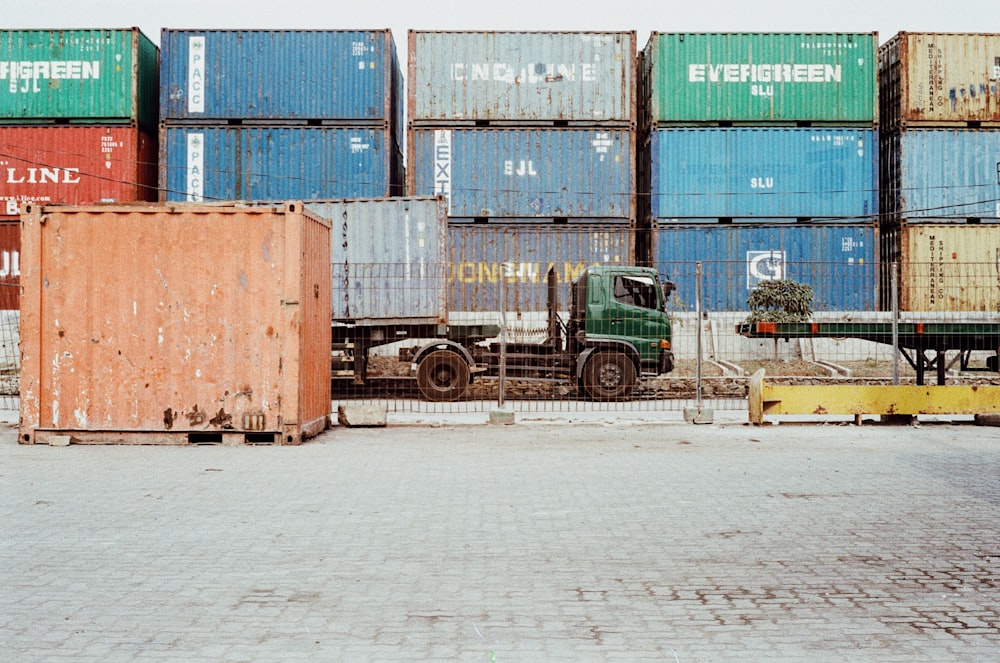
552, 337
10, 356
946, 327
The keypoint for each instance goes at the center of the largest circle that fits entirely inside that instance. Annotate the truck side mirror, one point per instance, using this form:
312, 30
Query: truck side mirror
668, 287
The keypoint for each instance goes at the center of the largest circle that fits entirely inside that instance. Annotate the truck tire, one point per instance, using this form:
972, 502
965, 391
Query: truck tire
442, 375
609, 376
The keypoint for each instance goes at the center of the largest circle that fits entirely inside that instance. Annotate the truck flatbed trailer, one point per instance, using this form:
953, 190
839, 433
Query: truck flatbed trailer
924, 345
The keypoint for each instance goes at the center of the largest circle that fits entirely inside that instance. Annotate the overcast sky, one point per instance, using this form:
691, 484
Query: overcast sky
887, 17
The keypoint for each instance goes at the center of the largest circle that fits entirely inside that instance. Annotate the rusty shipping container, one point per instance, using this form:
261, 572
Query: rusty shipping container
88, 76
76, 165
10, 264
945, 268
940, 79
538, 78
214, 328
496, 266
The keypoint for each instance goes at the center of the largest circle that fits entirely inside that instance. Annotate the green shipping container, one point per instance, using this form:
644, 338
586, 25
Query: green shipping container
760, 78
78, 76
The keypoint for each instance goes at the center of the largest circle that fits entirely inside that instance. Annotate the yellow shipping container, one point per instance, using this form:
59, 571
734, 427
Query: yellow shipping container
947, 267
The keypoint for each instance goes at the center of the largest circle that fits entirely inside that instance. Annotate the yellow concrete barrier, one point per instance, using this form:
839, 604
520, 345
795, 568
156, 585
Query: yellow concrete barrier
769, 399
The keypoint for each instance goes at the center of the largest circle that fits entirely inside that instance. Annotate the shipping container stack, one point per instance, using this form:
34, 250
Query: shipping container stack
531, 137
760, 160
940, 170
78, 115
279, 115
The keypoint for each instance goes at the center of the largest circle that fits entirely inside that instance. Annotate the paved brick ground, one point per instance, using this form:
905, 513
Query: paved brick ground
523, 543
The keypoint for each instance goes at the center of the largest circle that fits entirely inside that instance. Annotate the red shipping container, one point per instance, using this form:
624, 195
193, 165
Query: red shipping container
10, 264
76, 165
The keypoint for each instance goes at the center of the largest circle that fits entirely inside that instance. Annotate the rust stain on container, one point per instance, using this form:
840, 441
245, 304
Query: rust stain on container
946, 267
10, 264
940, 79
161, 322
521, 77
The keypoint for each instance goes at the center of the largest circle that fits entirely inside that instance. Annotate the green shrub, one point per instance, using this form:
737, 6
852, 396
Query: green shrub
782, 300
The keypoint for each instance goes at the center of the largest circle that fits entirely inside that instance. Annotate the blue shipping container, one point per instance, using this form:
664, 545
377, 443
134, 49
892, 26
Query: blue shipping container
838, 260
276, 163
816, 173
485, 259
528, 173
942, 174
349, 76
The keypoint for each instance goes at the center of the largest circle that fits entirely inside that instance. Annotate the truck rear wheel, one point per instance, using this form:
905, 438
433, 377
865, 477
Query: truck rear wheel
609, 376
442, 375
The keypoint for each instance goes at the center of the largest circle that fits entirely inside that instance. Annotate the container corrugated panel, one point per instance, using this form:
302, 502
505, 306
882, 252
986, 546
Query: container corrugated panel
277, 163
761, 77
817, 173
533, 77
10, 264
488, 259
389, 259
350, 76
78, 75
941, 174
940, 79
217, 320
838, 260
533, 173
946, 267
76, 165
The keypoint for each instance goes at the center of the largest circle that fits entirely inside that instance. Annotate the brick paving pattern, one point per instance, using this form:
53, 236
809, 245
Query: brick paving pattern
520, 543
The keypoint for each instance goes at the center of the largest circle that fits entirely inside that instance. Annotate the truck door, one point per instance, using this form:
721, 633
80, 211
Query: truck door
633, 313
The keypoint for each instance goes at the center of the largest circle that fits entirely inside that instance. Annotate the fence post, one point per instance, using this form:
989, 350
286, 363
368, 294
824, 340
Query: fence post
894, 266
502, 372
501, 415
698, 414
697, 311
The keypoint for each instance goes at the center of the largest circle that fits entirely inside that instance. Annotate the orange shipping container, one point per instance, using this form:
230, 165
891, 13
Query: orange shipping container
168, 324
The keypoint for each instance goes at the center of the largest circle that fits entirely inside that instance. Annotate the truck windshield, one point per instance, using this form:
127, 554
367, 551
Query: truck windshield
636, 291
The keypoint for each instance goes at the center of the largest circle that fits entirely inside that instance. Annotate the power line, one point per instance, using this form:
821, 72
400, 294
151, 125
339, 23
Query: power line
165, 168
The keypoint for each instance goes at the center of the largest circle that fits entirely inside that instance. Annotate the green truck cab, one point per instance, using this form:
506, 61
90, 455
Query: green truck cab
617, 331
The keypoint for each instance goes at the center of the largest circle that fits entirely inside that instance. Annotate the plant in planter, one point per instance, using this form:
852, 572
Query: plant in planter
783, 300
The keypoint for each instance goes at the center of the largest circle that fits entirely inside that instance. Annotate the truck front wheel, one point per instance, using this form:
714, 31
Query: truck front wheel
609, 376
442, 376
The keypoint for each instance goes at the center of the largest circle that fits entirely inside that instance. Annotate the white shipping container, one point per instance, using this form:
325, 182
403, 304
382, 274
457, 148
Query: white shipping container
389, 259
529, 77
